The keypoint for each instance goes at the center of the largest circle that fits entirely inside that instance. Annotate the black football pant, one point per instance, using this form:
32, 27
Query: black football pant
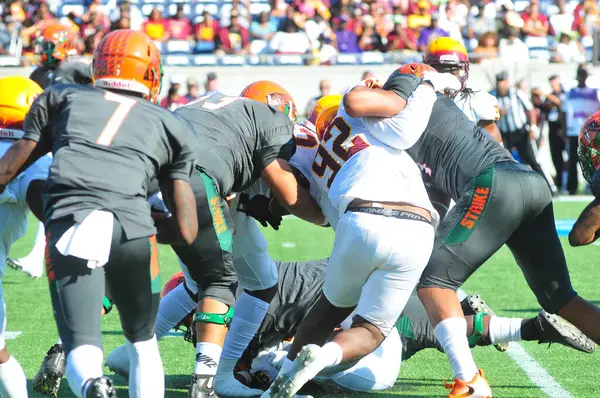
507, 203
556, 138
573, 179
77, 291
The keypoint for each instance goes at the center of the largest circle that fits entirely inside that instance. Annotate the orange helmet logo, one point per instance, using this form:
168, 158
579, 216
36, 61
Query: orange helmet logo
273, 94
128, 60
18, 94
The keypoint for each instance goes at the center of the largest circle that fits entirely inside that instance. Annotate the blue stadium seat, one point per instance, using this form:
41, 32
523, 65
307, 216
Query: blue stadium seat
347, 59
289, 59
187, 8
146, 8
178, 47
539, 48
372, 58
205, 60
257, 8
521, 5
73, 2
177, 60
233, 60
210, 6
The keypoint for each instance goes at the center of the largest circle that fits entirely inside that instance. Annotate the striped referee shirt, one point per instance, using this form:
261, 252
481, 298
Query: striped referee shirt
517, 106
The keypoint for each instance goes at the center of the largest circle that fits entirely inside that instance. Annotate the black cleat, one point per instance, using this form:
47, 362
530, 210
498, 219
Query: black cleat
555, 329
48, 378
202, 386
100, 387
478, 305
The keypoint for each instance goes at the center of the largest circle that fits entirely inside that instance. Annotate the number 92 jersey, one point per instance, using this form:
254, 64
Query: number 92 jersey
107, 148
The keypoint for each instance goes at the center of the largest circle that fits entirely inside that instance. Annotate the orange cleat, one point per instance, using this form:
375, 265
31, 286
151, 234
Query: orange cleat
476, 388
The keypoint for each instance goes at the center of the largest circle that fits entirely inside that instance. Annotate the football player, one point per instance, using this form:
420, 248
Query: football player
96, 217
241, 139
370, 193
486, 184
587, 227
19, 196
448, 55
57, 62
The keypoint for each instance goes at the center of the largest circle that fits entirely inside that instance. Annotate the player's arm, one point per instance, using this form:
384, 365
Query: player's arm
182, 226
492, 129
284, 187
587, 227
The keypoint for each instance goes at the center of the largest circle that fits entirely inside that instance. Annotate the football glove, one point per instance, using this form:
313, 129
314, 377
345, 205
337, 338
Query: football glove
442, 81
257, 207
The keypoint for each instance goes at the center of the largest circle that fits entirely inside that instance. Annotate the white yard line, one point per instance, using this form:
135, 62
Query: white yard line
536, 372
575, 198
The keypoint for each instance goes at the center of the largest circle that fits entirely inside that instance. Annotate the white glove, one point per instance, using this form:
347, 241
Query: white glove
442, 81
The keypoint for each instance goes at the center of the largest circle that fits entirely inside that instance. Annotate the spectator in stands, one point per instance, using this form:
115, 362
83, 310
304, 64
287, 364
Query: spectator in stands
401, 39
173, 100
369, 39
512, 48
581, 103
587, 19
478, 24
211, 86
125, 10
278, 8
553, 108
206, 34
568, 50
93, 31
317, 28
121, 23
17, 12
347, 41
324, 89
192, 90
453, 18
487, 48
98, 7
534, 22
562, 21
422, 17
233, 39
290, 39
262, 31
180, 26
238, 8
367, 75
430, 33
6, 29
155, 27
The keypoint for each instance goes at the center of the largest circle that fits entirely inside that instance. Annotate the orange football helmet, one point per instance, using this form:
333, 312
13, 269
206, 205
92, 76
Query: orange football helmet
273, 94
18, 94
448, 55
589, 147
128, 60
53, 45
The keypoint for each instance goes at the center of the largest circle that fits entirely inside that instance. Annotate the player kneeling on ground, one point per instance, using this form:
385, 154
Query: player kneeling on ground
96, 216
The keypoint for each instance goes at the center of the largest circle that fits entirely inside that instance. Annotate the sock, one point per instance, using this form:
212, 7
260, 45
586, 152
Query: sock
207, 358
83, 363
173, 308
249, 314
452, 335
59, 341
331, 354
146, 373
503, 330
39, 245
13, 383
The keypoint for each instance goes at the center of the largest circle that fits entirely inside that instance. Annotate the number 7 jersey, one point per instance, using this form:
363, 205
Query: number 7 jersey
107, 148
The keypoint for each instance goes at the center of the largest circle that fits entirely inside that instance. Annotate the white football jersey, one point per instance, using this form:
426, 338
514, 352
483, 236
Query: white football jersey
478, 105
356, 162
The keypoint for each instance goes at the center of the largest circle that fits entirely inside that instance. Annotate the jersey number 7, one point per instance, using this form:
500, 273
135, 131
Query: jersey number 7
342, 148
116, 120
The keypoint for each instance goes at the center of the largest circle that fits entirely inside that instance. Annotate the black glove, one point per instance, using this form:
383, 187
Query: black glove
257, 207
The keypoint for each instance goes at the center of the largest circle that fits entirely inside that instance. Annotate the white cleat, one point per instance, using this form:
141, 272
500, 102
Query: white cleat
226, 387
304, 368
118, 361
31, 265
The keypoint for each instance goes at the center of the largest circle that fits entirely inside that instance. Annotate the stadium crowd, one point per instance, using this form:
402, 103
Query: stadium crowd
323, 28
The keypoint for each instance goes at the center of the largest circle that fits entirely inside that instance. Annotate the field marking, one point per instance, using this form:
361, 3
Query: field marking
12, 335
536, 372
574, 198
288, 245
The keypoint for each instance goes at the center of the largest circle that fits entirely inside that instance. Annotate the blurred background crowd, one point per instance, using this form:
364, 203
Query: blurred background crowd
556, 30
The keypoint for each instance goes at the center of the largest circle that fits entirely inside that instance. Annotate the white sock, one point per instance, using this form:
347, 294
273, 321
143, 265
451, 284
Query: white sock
207, 358
83, 363
59, 341
13, 383
452, 335
331, 354
249, 314
39, 245
504, 330
146, 373
173, 308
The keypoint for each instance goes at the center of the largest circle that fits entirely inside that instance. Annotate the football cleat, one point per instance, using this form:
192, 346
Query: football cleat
48, 378
478, 305
476, 388
31, 266
555, 329
100, 387
203, 386
304, 368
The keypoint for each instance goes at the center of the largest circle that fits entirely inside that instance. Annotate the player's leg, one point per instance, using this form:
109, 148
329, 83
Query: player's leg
77, 292
13, 383
33, 263
133, 274
257, 274
473, 230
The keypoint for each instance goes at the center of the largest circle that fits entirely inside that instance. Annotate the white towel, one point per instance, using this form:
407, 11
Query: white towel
91, 240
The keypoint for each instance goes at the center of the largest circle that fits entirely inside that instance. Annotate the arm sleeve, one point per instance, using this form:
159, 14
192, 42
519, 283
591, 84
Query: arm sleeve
38, 120
404, 130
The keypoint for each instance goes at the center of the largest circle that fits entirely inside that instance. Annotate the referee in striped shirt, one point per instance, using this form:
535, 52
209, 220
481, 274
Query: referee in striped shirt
517, 121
